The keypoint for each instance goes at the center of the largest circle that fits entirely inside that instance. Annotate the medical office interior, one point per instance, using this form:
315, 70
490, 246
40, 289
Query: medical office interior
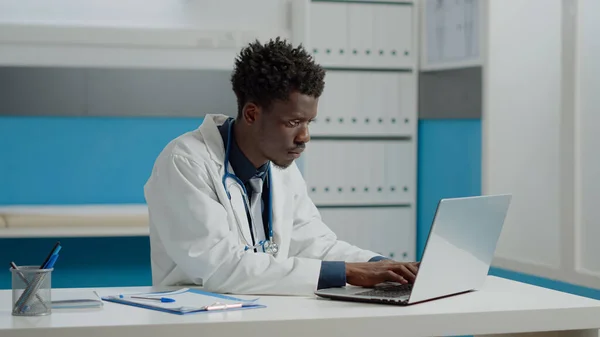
424, 100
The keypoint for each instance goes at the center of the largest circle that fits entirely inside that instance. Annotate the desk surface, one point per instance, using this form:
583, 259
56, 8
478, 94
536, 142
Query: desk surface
502, 306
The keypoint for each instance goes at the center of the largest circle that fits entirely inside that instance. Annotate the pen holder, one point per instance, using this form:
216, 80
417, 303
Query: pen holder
31, 291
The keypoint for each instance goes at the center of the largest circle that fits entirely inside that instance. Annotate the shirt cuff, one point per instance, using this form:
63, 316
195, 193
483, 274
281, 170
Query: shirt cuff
378, 258
333, 274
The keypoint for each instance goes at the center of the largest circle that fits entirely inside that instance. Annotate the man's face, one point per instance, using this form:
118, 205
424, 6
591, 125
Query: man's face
282, 131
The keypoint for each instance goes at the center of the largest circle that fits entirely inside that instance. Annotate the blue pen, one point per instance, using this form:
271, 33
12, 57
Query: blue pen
161, 299
52, 261
52, 258
54, 250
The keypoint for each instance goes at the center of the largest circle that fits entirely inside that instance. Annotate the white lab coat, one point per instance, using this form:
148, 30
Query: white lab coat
195, 239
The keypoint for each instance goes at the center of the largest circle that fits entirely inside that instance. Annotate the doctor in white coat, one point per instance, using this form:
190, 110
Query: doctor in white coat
229, 208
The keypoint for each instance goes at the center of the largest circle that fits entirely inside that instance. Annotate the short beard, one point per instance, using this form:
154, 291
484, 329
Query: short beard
281, 166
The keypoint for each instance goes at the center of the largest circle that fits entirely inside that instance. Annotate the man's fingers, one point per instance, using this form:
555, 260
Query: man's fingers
412, 268
407, 273
403, 271
393, 277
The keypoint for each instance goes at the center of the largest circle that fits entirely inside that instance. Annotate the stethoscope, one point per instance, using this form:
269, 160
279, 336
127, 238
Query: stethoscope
267, 246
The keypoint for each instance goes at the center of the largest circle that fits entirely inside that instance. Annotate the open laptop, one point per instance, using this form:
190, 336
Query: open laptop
457, 256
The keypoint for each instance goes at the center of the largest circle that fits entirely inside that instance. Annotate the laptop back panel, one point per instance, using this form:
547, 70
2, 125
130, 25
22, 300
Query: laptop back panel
460, 246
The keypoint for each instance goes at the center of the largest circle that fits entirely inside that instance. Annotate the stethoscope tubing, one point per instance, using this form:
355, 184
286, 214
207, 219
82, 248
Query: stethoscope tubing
237, 180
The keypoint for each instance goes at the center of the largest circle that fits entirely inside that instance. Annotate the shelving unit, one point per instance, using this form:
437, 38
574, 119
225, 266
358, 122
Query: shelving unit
360, 166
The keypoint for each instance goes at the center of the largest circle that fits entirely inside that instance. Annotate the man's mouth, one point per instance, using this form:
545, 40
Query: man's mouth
295, 153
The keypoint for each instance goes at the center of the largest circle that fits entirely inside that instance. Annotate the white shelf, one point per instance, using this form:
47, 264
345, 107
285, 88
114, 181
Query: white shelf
38, 221
44, 44
63, 232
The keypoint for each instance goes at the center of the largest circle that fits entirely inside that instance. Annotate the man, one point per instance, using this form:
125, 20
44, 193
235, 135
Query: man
211, 221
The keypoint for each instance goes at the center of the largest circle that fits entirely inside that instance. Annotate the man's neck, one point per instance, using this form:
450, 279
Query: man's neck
246, 144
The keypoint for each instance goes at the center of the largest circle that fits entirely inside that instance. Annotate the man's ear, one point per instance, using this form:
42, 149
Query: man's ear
250, 113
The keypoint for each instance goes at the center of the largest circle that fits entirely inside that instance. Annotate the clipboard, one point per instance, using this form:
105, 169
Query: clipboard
184, 301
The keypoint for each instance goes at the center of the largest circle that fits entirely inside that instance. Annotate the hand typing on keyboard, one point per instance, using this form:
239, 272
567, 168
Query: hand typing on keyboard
368, 274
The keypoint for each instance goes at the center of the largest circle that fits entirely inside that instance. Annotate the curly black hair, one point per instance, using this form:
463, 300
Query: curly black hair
269, 72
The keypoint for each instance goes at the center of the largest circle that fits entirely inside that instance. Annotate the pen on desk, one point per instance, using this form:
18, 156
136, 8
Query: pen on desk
161, 299
15, 267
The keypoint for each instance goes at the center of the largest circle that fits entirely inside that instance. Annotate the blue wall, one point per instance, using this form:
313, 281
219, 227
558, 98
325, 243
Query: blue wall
449, 165
46, 160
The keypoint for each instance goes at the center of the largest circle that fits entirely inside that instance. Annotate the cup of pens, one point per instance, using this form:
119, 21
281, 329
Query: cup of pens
32, 286
31, 291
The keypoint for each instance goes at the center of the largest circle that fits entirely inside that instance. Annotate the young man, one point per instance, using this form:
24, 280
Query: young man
229, 208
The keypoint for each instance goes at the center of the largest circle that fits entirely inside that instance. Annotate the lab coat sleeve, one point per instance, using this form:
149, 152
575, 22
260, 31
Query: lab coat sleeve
311, 237
193, 227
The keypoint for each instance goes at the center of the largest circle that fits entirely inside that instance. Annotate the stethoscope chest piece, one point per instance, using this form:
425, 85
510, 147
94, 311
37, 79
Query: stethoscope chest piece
271, 247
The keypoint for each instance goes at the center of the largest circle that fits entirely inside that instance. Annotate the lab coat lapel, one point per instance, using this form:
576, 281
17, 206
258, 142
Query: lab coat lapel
212, 137
216, 150
279, 199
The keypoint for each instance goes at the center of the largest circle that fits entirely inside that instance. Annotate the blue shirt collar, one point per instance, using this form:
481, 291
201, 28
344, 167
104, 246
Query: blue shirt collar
243, 168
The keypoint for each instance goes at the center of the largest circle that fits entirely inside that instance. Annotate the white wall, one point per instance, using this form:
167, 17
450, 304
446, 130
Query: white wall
587, 141
521, 125
540, 78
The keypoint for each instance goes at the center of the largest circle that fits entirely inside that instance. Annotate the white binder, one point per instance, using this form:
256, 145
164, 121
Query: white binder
360, 35
393, 33
389, 231
360, 103
328, 33
360, 172
378, 35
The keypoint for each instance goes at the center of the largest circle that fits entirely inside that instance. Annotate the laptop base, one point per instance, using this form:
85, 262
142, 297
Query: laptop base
378, 300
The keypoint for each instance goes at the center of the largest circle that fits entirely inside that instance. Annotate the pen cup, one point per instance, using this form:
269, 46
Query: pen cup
31, 291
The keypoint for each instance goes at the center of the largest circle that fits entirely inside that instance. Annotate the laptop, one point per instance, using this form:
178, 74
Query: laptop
457, 256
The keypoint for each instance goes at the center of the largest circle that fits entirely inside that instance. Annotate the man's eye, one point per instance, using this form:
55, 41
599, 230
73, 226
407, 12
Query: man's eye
293, 123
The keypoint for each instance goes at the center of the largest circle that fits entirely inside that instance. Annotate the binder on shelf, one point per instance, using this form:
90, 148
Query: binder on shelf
362, 35
184, 301
360, 172
358, 103
393, 33
389, 231
328, 33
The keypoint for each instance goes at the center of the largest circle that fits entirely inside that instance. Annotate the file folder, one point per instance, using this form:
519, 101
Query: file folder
184, 301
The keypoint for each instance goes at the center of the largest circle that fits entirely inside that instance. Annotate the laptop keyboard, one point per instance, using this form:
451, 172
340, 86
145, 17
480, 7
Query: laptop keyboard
389, 291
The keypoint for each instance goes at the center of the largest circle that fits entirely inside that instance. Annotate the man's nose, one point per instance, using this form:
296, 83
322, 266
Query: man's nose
303, 136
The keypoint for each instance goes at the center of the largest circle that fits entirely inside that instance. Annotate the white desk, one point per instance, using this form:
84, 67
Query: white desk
503, 306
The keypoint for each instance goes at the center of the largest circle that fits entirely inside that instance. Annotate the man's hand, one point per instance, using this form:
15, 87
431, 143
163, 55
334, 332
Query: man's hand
368, 274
